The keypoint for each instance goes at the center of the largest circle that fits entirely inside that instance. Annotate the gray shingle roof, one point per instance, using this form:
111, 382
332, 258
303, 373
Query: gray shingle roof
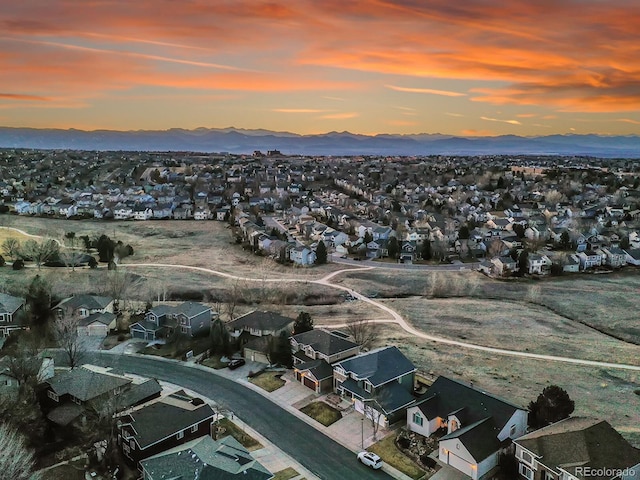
163, 419
446, 396
206, 459
85, 384
90, 302
324, 342
379, 366
9, 304
579, 441
104, 318
319, 368
261, 320
479, 438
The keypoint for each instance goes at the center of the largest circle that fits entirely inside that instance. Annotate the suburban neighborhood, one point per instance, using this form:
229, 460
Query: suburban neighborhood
315, 327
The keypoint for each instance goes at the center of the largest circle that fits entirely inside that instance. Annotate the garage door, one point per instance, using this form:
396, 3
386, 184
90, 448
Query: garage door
97, 330
137, 334
309, 383
460, 464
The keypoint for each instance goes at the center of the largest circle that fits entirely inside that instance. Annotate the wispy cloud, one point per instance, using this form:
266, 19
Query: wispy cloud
510, 122
297, 110
457, 115
19, 96
429, 91
340, 116
628, 120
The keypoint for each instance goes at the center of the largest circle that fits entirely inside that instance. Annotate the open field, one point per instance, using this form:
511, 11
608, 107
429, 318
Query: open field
205, 244
512, 325
6, 233
597, 392
605, 302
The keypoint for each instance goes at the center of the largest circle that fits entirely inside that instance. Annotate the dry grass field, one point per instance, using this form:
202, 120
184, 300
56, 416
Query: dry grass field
512, 325
597, 392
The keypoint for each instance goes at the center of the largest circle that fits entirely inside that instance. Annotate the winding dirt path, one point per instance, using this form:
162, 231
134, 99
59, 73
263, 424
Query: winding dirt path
395, 316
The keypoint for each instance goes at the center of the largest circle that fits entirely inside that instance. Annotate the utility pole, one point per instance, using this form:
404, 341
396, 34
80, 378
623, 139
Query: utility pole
362, 431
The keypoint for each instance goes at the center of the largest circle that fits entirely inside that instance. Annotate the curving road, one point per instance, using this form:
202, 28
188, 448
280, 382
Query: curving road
398, 319
320, 454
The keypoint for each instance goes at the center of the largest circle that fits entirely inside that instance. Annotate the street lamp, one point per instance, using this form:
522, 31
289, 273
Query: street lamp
362, 431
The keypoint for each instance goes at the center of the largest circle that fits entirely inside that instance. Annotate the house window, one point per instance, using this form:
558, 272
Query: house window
183, 321
367, 387
180, 435
526, 457
76, 400
417, 419
184, 329
132, 444
194, 429
52, 396
126, 449
512, 431
526, 472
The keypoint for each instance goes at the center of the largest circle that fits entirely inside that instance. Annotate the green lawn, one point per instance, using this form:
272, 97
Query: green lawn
236, 432
387, 450
268, 381
321, 412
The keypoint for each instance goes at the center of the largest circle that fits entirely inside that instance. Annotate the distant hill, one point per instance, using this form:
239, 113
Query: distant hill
237, 140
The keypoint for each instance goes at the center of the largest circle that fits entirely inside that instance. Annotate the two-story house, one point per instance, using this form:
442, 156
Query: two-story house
162, 425
477, 424
589, 259
505, 265
313, 354
253, 330
576, 448
189, 318
9, 318
538, 264
81, 306
302, 256
379, 383
205, 458
614, 257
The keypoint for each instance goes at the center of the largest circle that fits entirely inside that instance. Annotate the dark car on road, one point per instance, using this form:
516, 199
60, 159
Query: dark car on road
235, 363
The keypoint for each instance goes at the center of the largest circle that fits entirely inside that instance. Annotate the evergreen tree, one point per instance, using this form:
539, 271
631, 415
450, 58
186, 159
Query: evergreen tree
565, 240
463, 233
523, 262
279, 350
551, 406
303, 323
38, 300
321, 253
393, 247
426, 250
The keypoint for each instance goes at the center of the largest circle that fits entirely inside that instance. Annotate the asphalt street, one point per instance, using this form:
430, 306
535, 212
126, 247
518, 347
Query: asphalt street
320, 454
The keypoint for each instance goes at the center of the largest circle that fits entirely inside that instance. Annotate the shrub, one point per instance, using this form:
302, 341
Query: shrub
121, 337
18, 264
404, 442
427, 461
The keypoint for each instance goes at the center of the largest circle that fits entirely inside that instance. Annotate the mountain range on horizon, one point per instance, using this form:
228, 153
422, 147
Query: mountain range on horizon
245, 141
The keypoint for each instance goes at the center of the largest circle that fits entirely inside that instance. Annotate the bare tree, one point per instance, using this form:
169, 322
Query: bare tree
72, 258
16, 461
66, 334
40, 252
11, 248
120, 283
236, 293
373, 411
363, 331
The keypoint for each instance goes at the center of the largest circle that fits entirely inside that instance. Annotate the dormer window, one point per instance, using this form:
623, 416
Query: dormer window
367, 387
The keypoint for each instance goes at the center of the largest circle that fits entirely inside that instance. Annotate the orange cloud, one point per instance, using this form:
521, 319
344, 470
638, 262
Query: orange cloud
340, 116
19, 96
430, 91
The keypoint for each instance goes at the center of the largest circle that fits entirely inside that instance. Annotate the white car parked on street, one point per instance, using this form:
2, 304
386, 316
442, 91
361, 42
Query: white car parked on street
370, 459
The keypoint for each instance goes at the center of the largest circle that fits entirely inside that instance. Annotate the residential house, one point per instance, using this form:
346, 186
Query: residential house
205, 458
81, 306
589, 259
162, 425
254, 329
571, 264
505, 265
538, 264
67, 395
44, 366
408, 252
614, 257
314, 352
379, 383
302, 256
96, 325
382, 233
478, 425
377, 249
633, 256
191, 318
576, 448
9, 319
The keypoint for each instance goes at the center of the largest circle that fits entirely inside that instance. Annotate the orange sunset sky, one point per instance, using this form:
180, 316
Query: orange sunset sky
469, 67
